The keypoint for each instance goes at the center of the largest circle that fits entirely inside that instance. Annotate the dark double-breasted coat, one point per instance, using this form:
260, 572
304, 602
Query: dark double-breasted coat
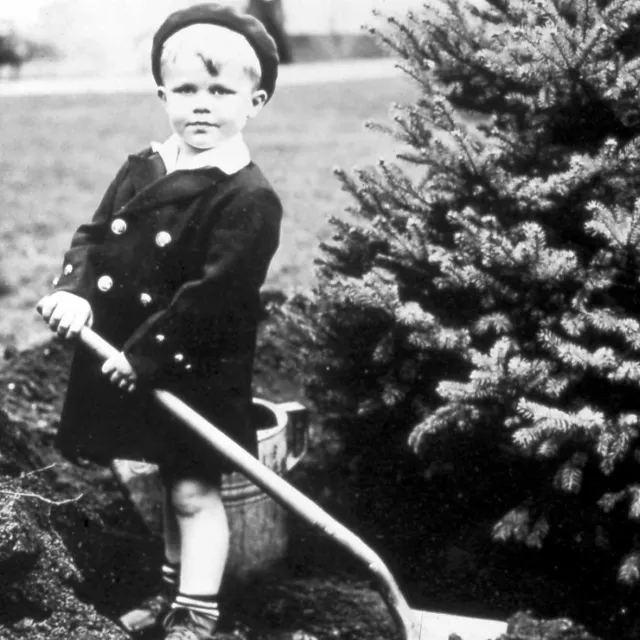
172, 265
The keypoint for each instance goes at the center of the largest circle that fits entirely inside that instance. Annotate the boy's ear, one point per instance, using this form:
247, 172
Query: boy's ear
162, 94
258, 100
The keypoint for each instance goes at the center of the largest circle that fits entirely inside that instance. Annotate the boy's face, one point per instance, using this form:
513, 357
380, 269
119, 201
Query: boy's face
208, 104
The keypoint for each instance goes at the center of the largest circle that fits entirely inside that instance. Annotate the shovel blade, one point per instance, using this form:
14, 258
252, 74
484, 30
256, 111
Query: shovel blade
431, 625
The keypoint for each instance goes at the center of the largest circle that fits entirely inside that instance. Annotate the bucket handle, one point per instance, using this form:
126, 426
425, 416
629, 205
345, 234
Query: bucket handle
297, 432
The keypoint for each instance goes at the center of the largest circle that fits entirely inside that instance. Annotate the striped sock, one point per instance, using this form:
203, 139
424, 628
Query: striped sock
204, 605
170, 573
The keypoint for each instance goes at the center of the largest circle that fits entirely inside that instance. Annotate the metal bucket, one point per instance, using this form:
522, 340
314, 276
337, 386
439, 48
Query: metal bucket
258, 525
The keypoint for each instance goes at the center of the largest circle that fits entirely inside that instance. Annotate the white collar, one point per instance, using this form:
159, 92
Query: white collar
230, 157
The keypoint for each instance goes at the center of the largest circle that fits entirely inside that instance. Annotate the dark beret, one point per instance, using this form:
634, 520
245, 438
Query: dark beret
211, 13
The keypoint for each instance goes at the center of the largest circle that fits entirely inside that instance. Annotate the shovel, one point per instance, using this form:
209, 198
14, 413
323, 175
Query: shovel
413, 624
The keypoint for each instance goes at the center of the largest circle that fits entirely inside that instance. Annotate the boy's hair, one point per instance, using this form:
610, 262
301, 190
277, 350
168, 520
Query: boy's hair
214, 45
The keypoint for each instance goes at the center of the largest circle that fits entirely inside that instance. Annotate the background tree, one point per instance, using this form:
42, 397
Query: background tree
17, 50
481, 299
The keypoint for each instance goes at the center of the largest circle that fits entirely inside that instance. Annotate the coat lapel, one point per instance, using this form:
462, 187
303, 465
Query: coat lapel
154, 188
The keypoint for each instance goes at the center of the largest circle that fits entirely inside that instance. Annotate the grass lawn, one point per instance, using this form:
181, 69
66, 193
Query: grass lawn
58, 153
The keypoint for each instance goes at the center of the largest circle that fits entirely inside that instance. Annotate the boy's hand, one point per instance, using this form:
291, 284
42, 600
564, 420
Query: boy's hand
120, 372
65, 313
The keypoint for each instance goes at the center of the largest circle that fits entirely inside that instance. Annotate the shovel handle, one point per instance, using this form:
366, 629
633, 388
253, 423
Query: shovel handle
99, 346
281, 491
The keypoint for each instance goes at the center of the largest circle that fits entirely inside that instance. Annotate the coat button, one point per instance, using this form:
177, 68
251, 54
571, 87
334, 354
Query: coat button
118, 226
160, 338
188, 367
178, 357
68, 270
163, 239
55, 281
105, 283
145, 299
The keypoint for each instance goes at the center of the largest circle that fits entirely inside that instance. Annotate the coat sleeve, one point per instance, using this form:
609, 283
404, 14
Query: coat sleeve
77, 275
207, 313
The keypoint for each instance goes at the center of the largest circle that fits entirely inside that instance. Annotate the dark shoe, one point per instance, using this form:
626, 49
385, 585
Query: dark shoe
184, 624
147, 614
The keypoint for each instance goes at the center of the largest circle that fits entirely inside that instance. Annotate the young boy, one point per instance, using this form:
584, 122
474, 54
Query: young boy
169, 271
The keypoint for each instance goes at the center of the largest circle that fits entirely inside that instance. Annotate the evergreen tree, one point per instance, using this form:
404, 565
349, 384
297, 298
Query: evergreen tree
486, 284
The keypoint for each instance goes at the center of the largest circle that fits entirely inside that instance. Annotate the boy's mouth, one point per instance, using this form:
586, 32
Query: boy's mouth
201, 124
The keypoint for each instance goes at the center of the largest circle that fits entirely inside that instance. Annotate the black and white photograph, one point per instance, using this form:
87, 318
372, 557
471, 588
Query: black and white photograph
319, 320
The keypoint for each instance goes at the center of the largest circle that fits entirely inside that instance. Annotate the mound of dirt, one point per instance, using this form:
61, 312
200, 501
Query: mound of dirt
42, 582
74, 553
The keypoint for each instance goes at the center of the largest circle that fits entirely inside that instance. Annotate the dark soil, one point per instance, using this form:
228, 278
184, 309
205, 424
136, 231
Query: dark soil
68, 569
77, 555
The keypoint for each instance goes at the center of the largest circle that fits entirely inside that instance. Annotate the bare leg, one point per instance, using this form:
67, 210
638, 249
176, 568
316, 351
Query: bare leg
156, 606
204, 535
171, 530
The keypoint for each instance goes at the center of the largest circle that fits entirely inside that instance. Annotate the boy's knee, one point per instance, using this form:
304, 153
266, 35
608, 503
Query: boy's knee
189, 497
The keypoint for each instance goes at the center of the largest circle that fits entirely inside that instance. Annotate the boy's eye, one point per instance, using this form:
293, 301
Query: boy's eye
219, 90
184, 88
